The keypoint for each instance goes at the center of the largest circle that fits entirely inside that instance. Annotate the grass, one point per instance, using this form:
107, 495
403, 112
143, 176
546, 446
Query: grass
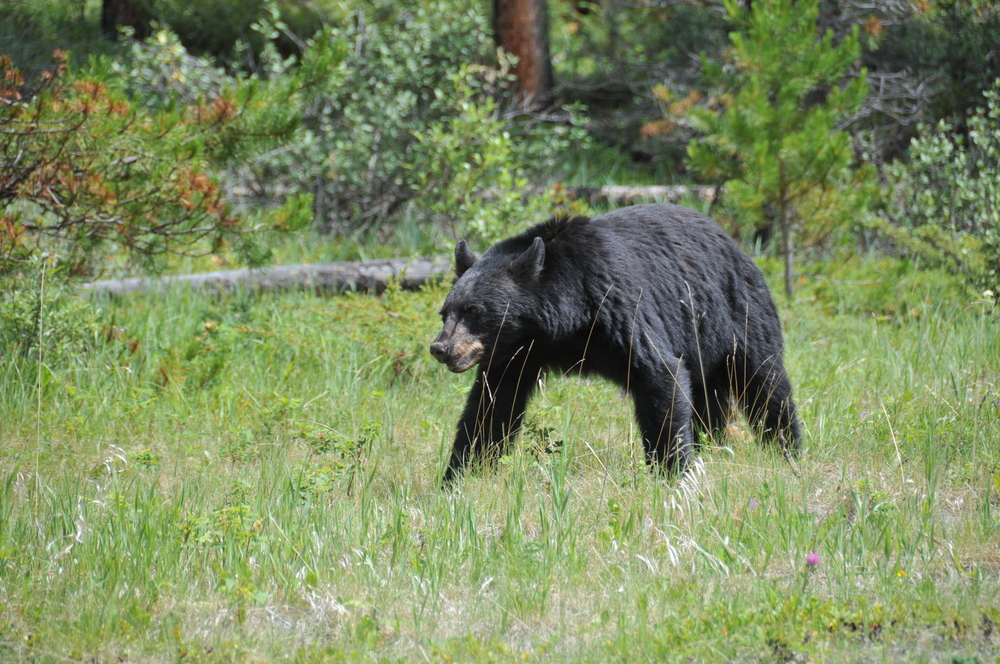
255, 479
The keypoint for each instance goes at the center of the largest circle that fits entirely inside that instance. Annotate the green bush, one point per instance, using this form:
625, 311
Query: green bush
471, 179
159, 71
228, 30
950, 43
39, 318
108, 164
413, 132
213, 27
355, 151
89, 170
31, 29
944, 204
612, 56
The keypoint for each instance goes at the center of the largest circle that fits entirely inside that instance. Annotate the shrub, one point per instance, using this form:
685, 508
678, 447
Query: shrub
228, 30
213, 27
944, 203
39, 318
159, 71
413, 131
948, 43
91, 171
88, 168
355, 151
472, 180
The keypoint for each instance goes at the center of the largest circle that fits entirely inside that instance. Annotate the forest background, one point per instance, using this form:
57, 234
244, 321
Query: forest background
253, 476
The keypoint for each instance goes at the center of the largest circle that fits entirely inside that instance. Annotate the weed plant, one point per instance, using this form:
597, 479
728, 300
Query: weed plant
255, 478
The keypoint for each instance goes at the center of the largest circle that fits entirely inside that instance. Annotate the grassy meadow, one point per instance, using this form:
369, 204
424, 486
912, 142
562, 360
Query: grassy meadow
253, 478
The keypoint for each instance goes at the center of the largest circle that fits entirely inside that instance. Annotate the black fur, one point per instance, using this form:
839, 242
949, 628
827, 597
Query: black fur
656, 298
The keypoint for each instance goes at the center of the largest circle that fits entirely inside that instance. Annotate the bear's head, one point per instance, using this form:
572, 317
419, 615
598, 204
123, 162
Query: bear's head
492, 308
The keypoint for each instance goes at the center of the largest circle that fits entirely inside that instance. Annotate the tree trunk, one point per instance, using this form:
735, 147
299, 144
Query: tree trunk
785, 220
788, 249
521, 28
132, 13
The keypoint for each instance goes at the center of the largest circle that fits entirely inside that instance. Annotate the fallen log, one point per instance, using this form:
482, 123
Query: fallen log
373, 275
612, 193
622, 194
367, 276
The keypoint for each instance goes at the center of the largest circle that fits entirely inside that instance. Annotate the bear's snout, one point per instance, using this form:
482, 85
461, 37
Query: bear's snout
440, 351
457, 348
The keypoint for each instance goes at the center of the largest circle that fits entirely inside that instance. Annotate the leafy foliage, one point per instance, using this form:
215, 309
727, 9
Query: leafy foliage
39, 317
213, 27
474, 180
771, 130
945, 203
612, 56
949, 43
160, 71
357, 149
87, 167
92, 170
413, 132
228, 31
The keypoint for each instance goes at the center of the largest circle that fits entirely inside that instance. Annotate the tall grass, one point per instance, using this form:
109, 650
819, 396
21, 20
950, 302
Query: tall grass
255, 479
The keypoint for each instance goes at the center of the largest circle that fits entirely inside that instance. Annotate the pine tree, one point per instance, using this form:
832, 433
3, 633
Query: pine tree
773, 135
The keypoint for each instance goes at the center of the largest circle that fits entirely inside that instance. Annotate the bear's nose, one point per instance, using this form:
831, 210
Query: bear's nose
439, 350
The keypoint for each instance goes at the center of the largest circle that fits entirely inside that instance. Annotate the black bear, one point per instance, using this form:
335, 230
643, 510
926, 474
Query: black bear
656, 298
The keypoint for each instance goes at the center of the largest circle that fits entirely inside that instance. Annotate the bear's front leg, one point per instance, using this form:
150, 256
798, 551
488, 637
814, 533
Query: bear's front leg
663, 407
493, 413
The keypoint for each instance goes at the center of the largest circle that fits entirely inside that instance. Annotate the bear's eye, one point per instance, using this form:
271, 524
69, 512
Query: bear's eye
472, 309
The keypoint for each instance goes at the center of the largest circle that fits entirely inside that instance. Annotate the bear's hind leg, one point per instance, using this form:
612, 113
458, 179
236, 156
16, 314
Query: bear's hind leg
712, 407
767, 401
664, 409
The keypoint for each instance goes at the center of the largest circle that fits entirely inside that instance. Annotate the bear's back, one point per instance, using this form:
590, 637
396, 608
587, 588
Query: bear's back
676, 232
663, 255
677, 262
648, 246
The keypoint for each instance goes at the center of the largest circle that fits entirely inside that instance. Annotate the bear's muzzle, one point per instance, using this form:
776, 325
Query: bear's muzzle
456, 348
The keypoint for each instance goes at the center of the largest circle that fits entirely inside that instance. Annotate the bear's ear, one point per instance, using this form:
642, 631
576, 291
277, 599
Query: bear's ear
529, 264
464, 258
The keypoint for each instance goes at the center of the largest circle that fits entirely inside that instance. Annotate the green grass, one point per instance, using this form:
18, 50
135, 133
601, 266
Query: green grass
255, 479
